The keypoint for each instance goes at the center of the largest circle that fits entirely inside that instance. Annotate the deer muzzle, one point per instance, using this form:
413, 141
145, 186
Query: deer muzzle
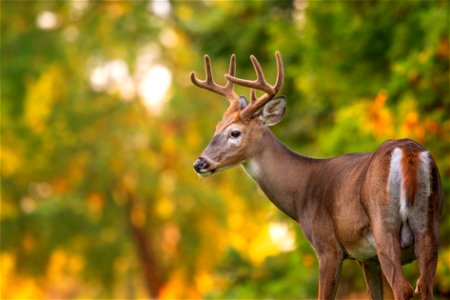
203, 167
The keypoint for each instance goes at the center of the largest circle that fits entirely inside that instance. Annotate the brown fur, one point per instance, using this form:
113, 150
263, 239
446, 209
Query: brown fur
409, 162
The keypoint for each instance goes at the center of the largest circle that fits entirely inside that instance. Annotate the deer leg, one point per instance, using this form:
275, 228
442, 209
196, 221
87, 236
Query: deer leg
387, 240
426, 247
424, 223
374, 282
330, 271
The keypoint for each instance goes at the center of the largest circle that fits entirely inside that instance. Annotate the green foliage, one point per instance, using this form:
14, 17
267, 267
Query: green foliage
99, 199
283, 277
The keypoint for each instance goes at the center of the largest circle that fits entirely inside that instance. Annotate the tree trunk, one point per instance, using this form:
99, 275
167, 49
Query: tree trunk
144, 251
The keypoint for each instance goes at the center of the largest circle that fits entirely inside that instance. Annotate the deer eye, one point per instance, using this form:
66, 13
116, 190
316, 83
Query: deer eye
235, 133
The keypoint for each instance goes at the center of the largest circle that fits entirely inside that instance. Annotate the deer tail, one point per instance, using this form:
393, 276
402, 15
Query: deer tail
409, 175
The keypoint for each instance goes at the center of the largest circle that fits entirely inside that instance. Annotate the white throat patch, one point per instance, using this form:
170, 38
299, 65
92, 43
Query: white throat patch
252, 168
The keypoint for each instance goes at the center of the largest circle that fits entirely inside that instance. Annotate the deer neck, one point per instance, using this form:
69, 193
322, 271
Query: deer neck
280, 173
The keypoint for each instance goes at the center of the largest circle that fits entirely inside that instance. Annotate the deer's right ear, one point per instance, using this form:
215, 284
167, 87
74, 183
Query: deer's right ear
273, 111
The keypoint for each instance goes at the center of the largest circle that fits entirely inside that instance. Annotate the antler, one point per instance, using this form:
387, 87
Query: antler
227, 90
259, 84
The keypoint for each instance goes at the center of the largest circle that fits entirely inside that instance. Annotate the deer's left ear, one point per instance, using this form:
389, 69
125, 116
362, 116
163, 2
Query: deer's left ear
273, 111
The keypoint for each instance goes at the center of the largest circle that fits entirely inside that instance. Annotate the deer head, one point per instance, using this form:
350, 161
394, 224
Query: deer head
238, 135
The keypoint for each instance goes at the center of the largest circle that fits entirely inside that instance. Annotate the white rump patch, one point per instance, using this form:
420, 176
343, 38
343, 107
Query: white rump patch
396, 186
395, 183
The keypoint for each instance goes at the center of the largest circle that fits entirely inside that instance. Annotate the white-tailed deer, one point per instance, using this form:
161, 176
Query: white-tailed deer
381, 209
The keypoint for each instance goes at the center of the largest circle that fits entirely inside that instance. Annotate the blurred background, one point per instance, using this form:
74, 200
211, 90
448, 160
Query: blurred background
100, 126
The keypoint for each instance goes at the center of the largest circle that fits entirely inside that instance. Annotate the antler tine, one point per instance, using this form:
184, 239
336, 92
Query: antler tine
280, 72
209, 84
232, 67
253, 95
261, 84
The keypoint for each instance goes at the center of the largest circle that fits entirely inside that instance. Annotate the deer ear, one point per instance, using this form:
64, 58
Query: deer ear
273, 111
243, 102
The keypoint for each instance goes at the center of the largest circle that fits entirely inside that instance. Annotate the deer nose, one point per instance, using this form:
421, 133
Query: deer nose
201, 164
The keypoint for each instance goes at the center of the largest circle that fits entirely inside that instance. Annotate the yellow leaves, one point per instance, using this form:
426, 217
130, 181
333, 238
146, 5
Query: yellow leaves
40, 97
236, 236
425, 56
129, 182
165, 207
204, 282
169, 146
443, 270
168, 180
9, 160
193, 138
267, 241
61, 262
6, 267
165, 203
59, 282
356, 113
9, 208
61, 278
15, 286
184, 11
256, 241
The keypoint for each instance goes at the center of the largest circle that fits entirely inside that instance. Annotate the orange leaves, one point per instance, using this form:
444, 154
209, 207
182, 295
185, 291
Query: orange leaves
170, 239
178, 287
443, 49
411, 127
95, 202
401, 121
138, 216
380, 117
29, 243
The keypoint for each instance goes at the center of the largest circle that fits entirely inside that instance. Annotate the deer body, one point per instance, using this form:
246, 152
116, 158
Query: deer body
381, 209
341, 199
